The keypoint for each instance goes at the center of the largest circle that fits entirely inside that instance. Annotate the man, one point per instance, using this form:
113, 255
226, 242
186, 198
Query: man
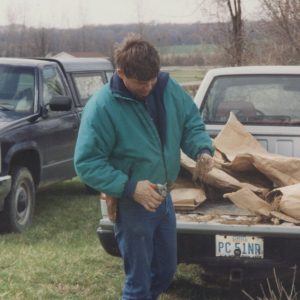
129, 143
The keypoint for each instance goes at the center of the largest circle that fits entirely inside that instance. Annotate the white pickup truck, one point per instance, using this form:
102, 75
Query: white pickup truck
266, 100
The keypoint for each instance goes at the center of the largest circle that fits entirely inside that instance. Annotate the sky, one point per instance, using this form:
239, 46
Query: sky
76, 13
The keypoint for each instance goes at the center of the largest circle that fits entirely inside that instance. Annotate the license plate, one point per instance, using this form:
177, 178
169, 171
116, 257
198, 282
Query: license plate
239, 246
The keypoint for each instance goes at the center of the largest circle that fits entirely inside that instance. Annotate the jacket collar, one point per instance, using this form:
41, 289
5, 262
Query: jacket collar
117, 86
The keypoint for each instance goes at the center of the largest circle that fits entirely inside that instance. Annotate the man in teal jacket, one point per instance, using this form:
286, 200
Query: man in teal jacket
129, 141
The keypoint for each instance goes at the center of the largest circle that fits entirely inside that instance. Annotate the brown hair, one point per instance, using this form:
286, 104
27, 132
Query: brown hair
137, 58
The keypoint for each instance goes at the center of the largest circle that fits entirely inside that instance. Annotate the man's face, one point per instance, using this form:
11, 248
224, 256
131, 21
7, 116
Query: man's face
140, 89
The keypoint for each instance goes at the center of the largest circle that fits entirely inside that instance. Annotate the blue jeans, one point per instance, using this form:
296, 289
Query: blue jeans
147, 242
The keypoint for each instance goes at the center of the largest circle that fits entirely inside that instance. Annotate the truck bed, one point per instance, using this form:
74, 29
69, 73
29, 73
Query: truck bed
223, 217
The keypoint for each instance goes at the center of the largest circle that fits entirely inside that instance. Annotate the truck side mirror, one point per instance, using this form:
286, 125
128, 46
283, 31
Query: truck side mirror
60, 103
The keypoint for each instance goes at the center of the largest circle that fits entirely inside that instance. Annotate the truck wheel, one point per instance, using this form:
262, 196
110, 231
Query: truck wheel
19, 206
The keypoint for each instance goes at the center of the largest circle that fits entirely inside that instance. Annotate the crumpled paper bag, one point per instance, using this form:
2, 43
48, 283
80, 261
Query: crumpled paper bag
234, 139
220, 179
246, 199
187, 198
286, 199
244, 153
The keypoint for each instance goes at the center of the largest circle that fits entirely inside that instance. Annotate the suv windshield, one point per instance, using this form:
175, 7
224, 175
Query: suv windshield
259, 99
16, 88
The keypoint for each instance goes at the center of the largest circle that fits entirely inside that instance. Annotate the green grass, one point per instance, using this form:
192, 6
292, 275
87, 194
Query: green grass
60, 257
186, 74
187, 49
191, 77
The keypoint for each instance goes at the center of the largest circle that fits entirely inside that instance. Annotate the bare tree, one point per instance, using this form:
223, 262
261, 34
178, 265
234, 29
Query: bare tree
82, 31
231, 25
15, 44
237, 37
235, 31
285, 17
40, 42
140, 24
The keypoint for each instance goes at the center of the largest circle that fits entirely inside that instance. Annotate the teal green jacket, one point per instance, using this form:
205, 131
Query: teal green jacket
118, 141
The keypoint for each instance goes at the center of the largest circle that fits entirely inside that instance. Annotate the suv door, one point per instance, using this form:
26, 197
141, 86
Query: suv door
61, 126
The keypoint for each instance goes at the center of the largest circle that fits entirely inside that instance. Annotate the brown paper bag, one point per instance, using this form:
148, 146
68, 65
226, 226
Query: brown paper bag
244, 154
234, 139
228, 183
220, 179
281, 216
187, 163
187, 198
288, 198
281, 170
246, 199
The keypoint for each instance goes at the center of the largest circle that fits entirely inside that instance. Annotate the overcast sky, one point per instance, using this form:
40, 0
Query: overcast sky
75, 13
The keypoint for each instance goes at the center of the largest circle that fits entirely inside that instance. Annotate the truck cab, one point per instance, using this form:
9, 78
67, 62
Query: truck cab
40, 105
265, 99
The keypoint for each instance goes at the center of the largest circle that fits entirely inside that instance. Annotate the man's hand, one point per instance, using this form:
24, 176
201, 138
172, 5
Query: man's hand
204, 164
111, 203
146, 195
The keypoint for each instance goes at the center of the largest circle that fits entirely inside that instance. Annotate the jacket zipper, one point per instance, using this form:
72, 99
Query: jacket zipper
144, 111
162, 152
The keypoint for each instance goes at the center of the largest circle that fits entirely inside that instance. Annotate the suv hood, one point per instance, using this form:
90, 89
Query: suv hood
8, 117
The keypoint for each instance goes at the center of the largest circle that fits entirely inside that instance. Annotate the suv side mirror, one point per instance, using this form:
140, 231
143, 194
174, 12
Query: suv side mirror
60, 103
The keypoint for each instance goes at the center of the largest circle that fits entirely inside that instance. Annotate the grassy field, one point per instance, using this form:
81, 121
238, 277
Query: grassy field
60, 257
187, 49
189, 77
186, 74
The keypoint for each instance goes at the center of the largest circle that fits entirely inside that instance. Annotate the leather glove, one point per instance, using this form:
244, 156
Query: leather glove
204, 164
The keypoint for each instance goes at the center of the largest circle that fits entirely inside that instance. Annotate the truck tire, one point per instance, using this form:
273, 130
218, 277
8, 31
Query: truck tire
20, 202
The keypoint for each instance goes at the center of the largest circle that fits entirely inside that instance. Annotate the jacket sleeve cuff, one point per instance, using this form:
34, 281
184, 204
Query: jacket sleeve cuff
129, 188
205, 150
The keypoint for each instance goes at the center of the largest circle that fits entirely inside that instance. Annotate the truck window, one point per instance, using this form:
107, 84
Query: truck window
259, 99
17, 87
87, 84
52, 84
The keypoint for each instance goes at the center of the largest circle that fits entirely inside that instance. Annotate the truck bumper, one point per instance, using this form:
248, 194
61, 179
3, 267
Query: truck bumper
5, 185
281, 253
108, 241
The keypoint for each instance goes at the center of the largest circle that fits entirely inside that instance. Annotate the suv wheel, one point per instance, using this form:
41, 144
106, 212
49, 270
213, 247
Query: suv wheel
20, 201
